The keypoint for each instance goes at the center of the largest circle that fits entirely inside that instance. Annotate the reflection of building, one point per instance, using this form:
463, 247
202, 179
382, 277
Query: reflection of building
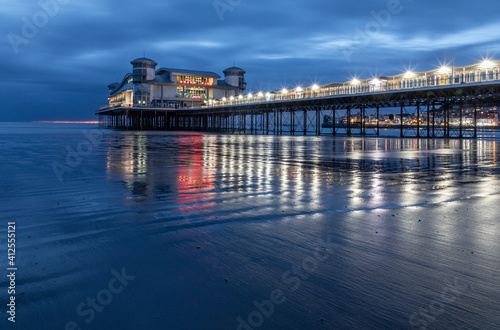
173, 88
147, 166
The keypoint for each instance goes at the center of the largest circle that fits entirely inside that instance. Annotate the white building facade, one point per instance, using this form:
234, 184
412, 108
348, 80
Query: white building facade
149, 87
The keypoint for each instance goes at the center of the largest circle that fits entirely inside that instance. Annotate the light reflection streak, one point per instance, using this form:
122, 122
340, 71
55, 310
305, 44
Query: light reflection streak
295, 175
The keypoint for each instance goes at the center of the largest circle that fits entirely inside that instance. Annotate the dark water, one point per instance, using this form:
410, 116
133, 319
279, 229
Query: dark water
145, 230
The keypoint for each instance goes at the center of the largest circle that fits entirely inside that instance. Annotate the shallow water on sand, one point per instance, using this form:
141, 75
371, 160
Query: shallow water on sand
269, 232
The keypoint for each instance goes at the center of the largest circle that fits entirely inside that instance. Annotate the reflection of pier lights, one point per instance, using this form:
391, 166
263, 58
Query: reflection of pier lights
233, 171
132, 163
268, 172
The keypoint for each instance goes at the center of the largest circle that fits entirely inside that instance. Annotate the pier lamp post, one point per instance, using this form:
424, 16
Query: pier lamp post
453, 72
375, 84
315, 89
408, 75
284, 91
486, 65
298, 92
354, 83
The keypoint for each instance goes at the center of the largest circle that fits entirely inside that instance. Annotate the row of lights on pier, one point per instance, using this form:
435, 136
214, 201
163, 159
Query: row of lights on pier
486, 64
268, 95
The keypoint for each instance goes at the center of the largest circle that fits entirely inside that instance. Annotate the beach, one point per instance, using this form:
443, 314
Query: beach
187, 230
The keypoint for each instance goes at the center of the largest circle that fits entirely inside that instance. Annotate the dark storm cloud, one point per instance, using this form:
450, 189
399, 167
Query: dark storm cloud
61, 72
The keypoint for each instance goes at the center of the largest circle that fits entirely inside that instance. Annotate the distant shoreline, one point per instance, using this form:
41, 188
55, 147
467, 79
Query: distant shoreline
66, 122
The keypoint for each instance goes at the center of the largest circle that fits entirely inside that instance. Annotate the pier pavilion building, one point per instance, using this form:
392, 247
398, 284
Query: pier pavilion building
149, 87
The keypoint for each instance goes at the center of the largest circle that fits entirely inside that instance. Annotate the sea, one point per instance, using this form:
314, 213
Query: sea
186, 230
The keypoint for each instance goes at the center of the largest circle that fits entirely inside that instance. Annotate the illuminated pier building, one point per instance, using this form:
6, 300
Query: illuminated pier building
448, 101
149, 87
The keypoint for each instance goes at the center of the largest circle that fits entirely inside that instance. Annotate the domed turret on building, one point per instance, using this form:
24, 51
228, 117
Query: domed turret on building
143, 69
235, 76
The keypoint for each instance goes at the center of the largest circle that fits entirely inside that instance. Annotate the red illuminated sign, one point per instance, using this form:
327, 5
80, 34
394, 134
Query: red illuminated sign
189, 82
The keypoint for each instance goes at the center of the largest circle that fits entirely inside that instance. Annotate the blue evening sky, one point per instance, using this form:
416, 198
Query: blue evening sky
58, 56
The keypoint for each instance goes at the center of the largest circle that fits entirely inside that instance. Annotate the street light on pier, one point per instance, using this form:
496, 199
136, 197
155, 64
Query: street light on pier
453, 72
298, 92
486, 64
315, 88
284, 91
409, 74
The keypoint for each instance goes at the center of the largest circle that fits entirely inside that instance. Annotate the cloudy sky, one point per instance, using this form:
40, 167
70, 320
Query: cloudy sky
58, 56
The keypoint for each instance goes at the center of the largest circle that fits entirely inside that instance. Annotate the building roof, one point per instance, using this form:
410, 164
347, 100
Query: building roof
122, 88
190, 72
143, 59
334, 84
222, 84
123, 85
234, 68
159, 78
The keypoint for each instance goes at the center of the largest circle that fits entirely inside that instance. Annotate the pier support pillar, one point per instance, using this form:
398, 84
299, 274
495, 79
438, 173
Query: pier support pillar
460, 118
418, 119
401, 130
433, 119
318, 123
348, 121
378, 120
305, 122
475, 119
267, 122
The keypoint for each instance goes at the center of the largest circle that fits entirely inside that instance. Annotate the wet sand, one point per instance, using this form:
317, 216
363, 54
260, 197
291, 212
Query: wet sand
238, 231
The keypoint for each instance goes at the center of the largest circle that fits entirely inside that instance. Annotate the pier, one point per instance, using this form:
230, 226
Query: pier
443, 103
